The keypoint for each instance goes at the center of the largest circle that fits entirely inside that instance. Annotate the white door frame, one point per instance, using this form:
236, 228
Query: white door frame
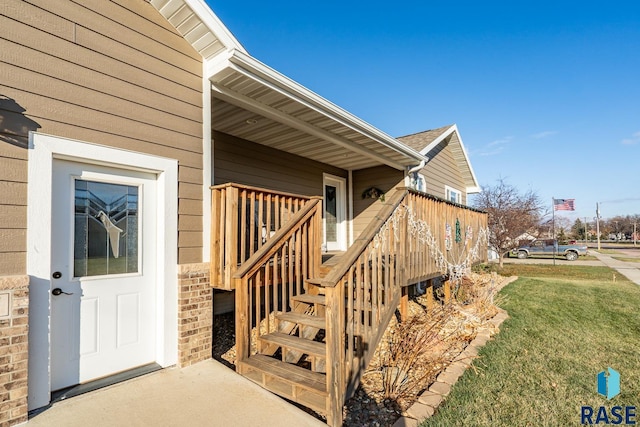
42, 150
341, 208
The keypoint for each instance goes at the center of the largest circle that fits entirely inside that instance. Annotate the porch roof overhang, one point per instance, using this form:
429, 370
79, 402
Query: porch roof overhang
253, 101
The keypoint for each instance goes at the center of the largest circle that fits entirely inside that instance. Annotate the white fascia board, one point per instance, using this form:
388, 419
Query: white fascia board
214, 24
474, 188
256, 69
466, 158
437, 141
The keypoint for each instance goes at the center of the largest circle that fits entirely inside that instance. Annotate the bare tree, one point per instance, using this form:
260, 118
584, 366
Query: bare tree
510, 214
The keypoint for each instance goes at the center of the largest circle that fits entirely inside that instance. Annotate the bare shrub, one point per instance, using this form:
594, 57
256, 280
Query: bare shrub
416, 342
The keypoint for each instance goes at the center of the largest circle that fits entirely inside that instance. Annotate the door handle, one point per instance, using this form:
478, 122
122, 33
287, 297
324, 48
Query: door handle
58, 291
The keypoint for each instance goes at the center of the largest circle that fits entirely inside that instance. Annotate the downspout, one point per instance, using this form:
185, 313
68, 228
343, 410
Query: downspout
413, 170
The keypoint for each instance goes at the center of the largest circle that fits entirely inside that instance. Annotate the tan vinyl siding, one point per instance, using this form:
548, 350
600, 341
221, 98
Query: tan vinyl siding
107, 72
244, 162
442, 170
382, 177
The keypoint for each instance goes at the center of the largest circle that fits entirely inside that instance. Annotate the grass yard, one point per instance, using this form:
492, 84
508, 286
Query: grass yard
567, 323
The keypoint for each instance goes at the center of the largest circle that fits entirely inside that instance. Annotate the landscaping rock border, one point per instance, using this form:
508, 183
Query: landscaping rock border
430, 399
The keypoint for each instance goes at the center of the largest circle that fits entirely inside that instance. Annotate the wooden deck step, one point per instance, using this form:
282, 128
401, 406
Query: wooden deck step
312, 348
303, 319
310, 299
289, 381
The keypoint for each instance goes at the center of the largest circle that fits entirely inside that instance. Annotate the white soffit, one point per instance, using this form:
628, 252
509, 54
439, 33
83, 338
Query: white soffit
355, 144
241, 80
195, 21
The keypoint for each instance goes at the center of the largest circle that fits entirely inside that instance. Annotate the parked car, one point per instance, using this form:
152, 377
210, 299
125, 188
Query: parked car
549, 247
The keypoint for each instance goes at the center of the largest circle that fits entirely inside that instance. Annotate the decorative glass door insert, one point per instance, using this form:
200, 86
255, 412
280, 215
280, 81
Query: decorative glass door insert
106, 229
331, 213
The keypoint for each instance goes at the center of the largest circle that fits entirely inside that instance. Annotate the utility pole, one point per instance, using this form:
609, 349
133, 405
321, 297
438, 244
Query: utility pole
598, 223
586, 231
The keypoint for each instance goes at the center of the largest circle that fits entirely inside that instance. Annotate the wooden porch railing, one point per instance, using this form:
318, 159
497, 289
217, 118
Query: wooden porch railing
308, 338
243, 219
268, 281
364, 289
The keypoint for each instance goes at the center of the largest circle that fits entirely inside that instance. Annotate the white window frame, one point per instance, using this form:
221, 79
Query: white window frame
449, 191
340, 184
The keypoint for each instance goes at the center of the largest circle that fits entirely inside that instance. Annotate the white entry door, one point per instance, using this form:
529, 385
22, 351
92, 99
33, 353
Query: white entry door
334, 215
103, 302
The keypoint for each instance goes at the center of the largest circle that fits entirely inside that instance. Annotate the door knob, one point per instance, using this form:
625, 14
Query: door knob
58, 291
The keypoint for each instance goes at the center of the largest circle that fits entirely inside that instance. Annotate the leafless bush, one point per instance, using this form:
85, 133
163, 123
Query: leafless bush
413, 354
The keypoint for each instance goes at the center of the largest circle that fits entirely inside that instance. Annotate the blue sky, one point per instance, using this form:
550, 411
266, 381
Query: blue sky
546, 94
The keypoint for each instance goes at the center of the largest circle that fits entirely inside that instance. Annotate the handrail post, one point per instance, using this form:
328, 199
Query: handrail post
231, 234
242, 320
317, 241
336, 384
404, 249
216, 266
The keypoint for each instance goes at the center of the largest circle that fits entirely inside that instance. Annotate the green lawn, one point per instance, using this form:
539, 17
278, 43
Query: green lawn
567, 324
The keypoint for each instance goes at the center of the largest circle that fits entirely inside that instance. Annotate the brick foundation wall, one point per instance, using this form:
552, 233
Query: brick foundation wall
195, 314
14, 351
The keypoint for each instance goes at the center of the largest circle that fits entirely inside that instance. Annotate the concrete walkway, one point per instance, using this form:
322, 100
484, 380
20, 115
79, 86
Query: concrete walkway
631, 270
205, 394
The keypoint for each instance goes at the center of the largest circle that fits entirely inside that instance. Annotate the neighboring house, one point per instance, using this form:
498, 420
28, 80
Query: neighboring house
448, 173
116, 117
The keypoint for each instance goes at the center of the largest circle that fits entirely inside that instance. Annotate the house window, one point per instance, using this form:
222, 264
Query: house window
418, 182
453, 195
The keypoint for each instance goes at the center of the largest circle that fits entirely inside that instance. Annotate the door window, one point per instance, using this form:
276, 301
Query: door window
331, 213
105, 229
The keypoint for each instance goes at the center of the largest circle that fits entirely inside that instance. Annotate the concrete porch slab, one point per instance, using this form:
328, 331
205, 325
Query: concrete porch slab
205, 394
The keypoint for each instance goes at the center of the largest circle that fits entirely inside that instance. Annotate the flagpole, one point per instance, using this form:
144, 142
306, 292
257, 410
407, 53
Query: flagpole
553, 209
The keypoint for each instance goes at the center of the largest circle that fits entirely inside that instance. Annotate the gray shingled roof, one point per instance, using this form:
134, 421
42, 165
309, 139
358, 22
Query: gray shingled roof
420, 140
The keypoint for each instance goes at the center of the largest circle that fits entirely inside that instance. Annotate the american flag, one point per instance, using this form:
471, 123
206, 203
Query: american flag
563, 205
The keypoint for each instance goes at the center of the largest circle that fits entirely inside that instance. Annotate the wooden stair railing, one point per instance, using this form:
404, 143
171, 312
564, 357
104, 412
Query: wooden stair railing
243, 219
362, 293
309, 338
270, 284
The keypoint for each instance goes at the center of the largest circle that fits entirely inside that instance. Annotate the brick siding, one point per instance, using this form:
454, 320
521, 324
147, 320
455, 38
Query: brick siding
195, 314
14, 353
